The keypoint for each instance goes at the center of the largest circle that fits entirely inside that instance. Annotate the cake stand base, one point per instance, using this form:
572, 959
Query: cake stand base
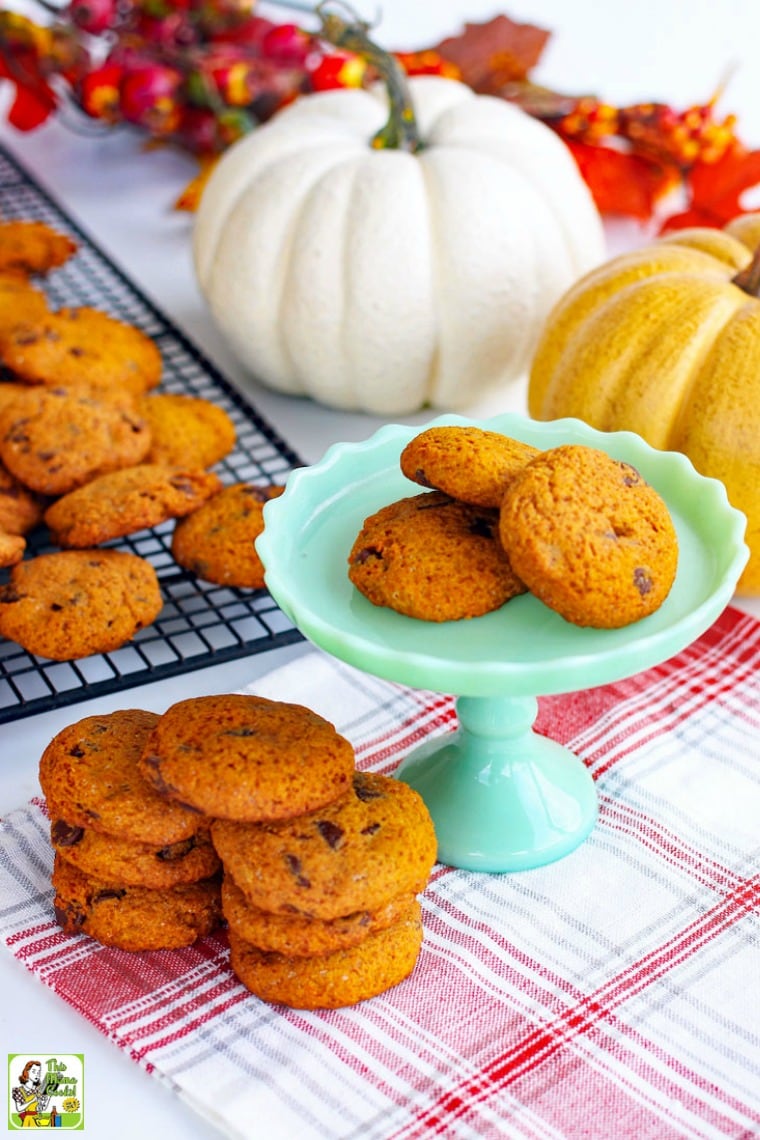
502, 797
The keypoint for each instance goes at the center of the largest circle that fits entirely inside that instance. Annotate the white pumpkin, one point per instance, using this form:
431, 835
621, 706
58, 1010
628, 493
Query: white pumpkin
383, 280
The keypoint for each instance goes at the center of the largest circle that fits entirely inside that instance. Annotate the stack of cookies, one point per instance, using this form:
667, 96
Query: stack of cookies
131, 869
322, 863
90, 449
578, 529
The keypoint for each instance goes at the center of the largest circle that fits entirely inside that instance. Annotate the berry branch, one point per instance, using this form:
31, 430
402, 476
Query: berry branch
199, 74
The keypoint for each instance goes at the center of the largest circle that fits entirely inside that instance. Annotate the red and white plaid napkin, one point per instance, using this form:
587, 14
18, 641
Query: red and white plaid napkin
613, 994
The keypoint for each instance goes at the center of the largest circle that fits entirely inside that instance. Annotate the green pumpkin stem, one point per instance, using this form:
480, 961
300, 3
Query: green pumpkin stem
401, 131
748, 278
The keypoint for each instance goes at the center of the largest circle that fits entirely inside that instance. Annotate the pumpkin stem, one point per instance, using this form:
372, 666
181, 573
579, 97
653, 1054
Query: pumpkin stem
401, 131
748, 278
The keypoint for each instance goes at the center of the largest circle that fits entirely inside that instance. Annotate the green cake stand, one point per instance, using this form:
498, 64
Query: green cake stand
502, 797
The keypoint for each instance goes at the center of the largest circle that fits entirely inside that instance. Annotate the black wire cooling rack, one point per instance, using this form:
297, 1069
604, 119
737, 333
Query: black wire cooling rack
200, 624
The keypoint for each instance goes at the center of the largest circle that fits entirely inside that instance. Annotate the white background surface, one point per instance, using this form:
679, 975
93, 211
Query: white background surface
673, 51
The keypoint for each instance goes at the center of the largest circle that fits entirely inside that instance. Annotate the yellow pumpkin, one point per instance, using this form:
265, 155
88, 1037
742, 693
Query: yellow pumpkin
665, 341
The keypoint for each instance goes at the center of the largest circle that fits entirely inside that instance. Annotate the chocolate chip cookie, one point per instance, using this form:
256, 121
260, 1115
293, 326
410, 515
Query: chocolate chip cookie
89, 775
73, 603
589, 537
434, 558
125, 501
117, 860
235, 756
83, 349
33, 247
54, 440
298, 935
186, 430
467, 463
134, 918
335, 980
374, 844
218, 541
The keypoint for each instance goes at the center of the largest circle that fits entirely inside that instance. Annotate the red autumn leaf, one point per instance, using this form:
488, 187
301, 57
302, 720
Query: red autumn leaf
32, 104
621, 182
495, 53
715, 189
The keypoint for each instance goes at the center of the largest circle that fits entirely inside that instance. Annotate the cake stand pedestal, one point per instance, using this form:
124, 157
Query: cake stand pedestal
501, 797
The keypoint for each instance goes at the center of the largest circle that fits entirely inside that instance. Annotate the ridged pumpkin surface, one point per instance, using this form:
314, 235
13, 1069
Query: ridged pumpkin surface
661, 341
382, 280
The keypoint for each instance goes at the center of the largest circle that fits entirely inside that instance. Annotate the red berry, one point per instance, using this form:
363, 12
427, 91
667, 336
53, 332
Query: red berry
198, 130
205, 132
286, 45
99, 92
150, 98
337, 70
94, 16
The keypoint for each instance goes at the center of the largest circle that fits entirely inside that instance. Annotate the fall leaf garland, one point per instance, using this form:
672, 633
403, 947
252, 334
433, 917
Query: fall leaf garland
632, 158
199, 75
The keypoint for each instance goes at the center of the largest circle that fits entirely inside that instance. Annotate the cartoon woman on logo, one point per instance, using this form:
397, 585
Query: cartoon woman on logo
28, 1096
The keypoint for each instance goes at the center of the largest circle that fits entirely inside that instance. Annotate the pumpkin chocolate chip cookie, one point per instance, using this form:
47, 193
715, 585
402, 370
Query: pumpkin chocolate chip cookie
298, 935
33, 247
118, 860
125, 501
73, 603
134, 918
466, 463
330, 981
374, 844
434, 558
186, 430
589, 537
217, 542
236, 756
89, 775
83, 349
54, 440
